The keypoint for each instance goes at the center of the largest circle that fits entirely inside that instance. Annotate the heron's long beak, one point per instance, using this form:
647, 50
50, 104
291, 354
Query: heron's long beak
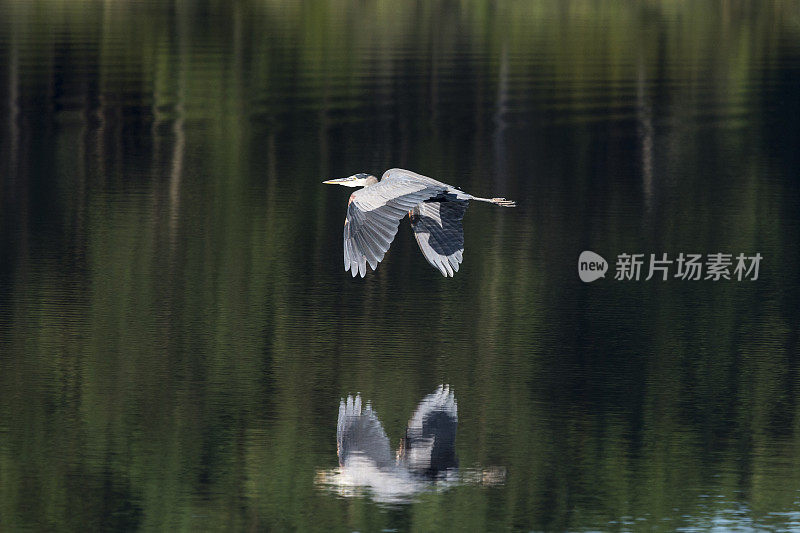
335, 181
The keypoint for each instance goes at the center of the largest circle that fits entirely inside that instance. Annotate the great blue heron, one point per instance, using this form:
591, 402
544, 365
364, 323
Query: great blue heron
374, 213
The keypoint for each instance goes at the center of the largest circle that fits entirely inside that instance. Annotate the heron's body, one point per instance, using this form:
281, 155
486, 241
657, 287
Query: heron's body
434, 208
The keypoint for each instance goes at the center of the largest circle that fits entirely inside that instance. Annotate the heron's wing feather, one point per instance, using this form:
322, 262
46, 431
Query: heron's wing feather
403, 174
373, 215
440, 234
431, 432
359, 432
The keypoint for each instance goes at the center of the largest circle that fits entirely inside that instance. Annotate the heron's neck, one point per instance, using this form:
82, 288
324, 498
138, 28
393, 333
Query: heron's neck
372, 180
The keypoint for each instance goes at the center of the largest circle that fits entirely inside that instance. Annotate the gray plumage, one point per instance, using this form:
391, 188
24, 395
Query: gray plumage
429, 446
427, 449
359, 433
374, 213
439, 233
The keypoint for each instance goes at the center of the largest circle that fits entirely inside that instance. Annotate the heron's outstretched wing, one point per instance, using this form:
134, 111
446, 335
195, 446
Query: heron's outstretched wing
373, 214
431, 434
359, 432
437, 227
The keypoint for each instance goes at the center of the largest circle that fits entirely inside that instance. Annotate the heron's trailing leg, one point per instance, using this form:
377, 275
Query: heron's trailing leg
497, 201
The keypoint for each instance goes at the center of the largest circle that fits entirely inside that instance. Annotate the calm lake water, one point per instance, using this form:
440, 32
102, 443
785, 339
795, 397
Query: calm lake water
177, 331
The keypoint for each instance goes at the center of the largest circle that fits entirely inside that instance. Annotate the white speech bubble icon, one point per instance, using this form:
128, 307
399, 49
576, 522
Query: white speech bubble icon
591, 266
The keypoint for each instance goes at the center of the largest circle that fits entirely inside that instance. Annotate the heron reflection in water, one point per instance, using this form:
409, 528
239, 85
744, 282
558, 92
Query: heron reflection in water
374, 213
425, 460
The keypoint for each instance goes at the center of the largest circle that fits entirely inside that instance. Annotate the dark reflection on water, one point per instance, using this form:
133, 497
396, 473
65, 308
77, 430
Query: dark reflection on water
425, 460
176, 329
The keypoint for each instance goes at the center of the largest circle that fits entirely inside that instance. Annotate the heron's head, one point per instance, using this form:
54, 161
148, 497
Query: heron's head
356, 180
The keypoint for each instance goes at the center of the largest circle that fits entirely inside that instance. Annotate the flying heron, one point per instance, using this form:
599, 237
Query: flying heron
434, 208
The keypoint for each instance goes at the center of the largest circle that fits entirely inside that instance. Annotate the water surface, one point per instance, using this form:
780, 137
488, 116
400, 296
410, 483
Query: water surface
176, 329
